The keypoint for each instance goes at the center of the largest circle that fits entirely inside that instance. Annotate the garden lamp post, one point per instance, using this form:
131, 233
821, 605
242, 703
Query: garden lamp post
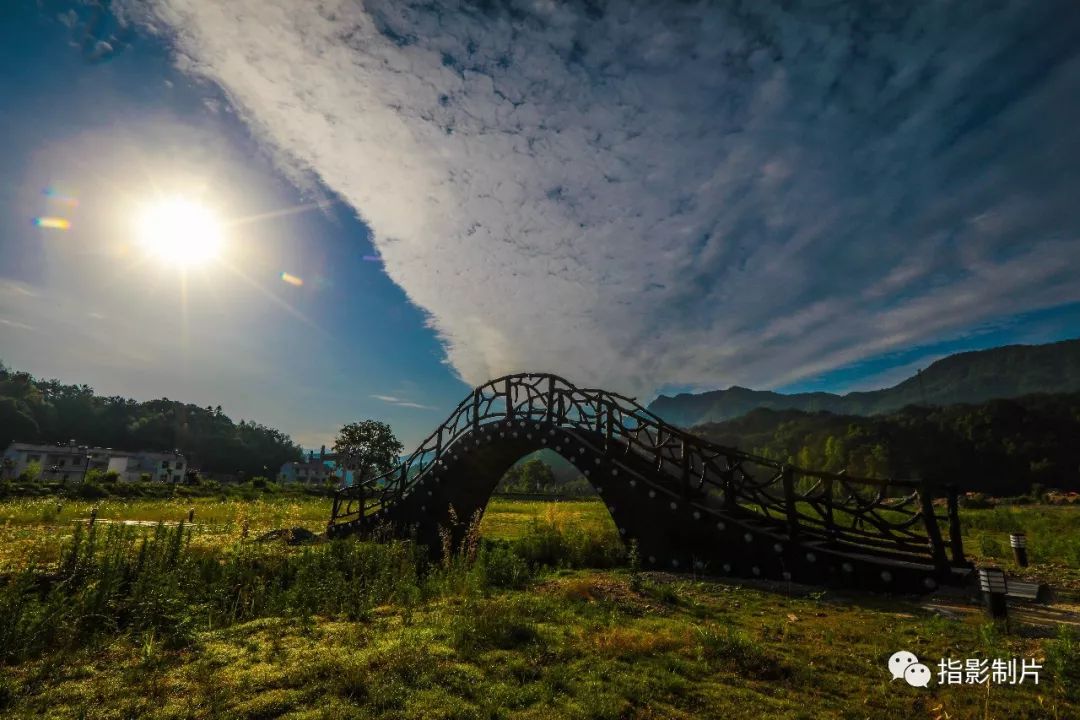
993, 585
1018, 541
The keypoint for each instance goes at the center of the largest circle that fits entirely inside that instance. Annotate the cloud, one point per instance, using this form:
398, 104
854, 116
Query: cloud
402, 403
15, 288
16, 324
638, 194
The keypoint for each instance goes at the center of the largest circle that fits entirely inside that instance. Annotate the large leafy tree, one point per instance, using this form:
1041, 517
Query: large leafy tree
367, 448
534, 475
16, 421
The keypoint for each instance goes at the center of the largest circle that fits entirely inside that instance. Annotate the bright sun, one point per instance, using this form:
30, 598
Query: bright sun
179, 231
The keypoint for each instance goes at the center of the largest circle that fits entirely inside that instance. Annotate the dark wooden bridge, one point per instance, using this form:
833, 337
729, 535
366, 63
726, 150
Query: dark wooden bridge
688, 503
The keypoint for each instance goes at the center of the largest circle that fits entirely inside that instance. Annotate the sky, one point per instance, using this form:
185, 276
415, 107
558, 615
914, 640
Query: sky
646, 197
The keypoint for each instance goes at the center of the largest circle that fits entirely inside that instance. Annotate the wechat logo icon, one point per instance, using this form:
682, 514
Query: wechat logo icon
905, 665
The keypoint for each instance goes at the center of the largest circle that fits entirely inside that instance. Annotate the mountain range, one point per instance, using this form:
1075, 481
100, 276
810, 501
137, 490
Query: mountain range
969, 377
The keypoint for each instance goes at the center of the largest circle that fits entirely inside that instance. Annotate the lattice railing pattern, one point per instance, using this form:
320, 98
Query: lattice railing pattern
887, 517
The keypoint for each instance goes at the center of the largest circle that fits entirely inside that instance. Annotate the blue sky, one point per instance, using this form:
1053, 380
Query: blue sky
641, 196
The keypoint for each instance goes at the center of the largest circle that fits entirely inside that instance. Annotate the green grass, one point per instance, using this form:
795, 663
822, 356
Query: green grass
1053, 538
507, 519
32, 529
199, 623
269, 512
578, 645
1053, 532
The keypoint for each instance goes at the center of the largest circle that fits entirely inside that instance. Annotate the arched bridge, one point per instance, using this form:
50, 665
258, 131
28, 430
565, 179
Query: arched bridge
688, 503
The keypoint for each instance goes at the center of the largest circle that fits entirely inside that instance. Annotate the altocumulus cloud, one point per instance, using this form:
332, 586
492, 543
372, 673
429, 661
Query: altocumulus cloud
649, 193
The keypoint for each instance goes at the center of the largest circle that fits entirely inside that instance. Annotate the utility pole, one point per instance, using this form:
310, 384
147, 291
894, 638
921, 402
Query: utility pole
922, 387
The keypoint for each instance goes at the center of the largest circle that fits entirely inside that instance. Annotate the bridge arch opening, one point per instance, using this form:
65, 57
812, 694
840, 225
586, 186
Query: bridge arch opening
548, 508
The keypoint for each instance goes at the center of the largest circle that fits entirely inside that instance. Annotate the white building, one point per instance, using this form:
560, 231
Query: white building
71, 462
160, 466
313, 470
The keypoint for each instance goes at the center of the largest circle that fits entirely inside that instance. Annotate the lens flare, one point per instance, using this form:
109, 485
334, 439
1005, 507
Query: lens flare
59, 198
292, 279
52, 223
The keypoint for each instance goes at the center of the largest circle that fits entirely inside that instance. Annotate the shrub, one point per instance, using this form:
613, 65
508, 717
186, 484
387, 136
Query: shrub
31, 473
503, 567
542, 544
547, 544
155, 584
123, 579
90, 491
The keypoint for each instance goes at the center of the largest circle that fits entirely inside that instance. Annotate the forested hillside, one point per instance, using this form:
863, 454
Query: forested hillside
48, 411
1000, 447
969, 377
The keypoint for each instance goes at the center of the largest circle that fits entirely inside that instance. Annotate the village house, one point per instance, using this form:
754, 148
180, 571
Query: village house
313, 470
71, 462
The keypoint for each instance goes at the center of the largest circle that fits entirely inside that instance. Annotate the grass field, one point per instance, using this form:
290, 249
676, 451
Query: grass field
1053, 536
206, 624
32, 529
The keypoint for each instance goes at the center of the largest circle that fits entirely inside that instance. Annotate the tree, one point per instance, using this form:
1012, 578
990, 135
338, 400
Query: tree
367, 448
835, 459
534, 476
16, 422
537, 475
49, 411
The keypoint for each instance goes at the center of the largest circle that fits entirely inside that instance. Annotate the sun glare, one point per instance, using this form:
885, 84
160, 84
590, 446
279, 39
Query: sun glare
179, 231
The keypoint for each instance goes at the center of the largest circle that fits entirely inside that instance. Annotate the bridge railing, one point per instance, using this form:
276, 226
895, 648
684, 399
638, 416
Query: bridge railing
888, 517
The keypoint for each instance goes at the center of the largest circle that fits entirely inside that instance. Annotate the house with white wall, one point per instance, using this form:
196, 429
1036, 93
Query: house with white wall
57, 462
71, 462
160, 466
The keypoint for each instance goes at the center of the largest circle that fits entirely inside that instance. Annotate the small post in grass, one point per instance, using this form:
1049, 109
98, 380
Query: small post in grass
1018, 540
993, 586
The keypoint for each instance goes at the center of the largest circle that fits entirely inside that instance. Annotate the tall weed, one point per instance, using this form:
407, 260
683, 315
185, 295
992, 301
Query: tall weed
156, 586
